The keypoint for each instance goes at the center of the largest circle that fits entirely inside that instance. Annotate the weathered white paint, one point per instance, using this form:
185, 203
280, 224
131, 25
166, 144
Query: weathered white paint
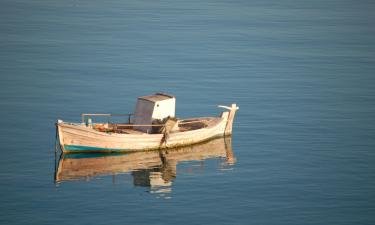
80, 135
153, 107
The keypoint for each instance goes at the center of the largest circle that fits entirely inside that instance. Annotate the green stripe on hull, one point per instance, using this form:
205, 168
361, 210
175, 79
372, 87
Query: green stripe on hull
80, 148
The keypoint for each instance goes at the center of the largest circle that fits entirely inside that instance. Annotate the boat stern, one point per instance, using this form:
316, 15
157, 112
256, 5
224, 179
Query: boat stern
229, 116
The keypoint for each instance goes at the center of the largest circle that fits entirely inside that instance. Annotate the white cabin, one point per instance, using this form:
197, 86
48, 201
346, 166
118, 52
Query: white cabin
152, 107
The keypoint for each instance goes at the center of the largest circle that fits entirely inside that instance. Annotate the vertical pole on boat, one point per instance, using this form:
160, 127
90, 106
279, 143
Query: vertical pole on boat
229, 116
232, 113
56, 138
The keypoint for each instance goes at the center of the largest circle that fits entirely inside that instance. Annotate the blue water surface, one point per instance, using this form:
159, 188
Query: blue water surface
302, 73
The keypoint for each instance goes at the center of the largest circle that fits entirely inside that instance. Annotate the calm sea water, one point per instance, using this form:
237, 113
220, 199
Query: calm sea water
302, 73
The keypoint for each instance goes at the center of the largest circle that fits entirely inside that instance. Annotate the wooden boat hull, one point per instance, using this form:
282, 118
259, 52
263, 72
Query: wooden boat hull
80, 138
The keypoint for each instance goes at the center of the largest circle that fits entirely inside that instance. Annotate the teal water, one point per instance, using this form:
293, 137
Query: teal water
302, 73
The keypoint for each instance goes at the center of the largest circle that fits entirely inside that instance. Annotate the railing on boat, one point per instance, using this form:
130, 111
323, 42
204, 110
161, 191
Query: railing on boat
129, 115
105, 114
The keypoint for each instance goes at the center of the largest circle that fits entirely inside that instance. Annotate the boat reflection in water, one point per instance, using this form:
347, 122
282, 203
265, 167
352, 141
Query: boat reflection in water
153, 169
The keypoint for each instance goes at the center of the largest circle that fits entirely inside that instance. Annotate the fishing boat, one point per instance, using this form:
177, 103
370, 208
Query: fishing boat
152, 126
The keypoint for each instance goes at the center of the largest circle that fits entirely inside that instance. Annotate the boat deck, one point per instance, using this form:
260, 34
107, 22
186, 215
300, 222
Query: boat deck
183, 125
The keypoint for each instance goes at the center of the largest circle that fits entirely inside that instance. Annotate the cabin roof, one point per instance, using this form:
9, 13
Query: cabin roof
156, 97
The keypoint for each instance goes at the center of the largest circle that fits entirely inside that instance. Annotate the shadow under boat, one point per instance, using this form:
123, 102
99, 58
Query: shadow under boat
149, 168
